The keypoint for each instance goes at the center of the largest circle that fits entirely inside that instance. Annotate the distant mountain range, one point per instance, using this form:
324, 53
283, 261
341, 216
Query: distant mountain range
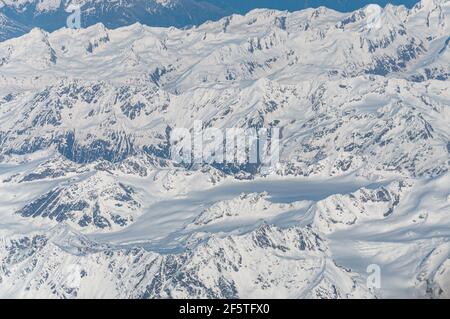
92, 204
19, 17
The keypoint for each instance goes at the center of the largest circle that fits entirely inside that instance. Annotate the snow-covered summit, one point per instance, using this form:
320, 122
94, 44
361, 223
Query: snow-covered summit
92, 204
53, 14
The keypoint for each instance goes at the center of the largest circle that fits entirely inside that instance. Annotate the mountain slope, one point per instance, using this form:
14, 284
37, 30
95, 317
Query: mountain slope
53, 14
10, 28
93, 203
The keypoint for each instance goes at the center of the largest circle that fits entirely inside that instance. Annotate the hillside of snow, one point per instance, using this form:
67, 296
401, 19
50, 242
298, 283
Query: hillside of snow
20, 16
93, 205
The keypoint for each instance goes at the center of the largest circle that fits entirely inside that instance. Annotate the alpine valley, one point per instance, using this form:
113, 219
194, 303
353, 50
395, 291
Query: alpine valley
93, 206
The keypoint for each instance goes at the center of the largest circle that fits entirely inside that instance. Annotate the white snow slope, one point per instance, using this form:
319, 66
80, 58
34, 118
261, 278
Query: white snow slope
92, 206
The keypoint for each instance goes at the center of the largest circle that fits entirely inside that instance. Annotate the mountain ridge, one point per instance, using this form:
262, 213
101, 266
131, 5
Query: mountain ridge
94, 206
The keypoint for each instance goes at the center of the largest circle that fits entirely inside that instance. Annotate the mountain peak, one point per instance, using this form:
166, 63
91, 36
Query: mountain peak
340, 126
38, 32
430, 4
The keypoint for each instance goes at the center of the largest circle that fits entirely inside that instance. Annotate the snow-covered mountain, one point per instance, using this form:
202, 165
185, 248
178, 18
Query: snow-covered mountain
21, 16
92, 204
10, 28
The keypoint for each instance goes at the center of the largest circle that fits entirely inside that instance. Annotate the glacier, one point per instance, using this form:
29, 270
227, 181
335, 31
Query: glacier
93, 206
